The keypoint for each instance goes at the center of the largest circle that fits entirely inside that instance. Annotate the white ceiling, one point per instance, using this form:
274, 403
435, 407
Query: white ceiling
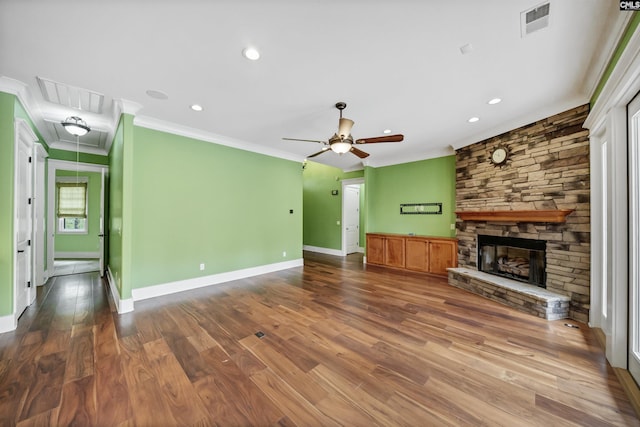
397, 64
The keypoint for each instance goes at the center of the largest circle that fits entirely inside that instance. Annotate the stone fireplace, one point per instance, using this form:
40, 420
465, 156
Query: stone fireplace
547, 170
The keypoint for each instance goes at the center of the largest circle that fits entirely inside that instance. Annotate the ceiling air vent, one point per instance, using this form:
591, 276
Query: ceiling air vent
534, 19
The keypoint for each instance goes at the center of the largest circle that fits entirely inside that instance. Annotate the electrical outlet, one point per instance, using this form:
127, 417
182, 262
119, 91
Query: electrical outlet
201, 267
337, 222
453, 226
284, 254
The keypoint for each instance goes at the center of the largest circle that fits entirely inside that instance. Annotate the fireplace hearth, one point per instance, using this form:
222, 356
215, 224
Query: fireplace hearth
514, 258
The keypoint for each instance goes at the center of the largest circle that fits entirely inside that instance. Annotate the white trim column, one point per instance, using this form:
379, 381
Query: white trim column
607, 123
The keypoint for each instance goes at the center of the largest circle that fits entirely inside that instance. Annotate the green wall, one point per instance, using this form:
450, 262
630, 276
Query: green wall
363, 215
7, 103
197, 202
116, 172
70, 156
90, 242
322, 210
426, 181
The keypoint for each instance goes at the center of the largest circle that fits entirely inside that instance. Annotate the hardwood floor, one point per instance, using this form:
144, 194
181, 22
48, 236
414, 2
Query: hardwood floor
344, 344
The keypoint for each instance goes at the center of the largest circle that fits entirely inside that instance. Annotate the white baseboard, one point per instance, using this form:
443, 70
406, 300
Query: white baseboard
214, 279
360, 250
327, 251
122, 305
8, 323
76, 255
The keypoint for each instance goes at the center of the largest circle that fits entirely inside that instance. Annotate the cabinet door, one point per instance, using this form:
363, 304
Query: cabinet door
442, 255
394, 251
375, 249
417, 255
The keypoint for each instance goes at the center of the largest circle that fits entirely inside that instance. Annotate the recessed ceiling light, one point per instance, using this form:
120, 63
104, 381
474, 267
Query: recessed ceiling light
197, 107
251, 53
473, 119
386, 131
494, 101
157, 94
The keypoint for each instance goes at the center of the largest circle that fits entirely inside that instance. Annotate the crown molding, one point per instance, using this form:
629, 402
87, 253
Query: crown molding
176, 129
22, 92
605, 51
621, 86
124, 106
409, 158
539, 114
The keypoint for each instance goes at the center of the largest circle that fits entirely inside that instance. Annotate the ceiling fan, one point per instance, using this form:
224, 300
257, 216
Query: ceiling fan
342, 141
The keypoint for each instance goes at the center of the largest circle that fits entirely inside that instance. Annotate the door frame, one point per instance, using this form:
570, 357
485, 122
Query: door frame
345, 183
55, 165
23, 134
634, 232
40, 155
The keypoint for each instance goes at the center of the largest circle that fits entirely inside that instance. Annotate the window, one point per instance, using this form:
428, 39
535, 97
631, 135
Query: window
72, 205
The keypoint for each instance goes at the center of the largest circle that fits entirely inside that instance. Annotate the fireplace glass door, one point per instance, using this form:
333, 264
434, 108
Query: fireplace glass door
514, 258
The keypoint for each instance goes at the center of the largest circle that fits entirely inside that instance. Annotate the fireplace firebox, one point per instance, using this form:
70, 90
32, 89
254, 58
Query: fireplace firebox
513, 257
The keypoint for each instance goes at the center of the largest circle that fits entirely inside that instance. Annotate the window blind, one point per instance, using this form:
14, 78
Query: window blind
72, 199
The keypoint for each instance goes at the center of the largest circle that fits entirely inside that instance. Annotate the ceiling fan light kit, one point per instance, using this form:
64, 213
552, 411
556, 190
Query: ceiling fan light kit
342, 141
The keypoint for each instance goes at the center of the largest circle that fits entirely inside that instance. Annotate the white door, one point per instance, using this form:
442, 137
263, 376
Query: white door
633, 112
352, 217
23, 221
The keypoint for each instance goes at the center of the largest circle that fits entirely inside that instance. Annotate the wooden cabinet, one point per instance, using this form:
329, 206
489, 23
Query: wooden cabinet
417, 253
375, 249
385, 250
394, 251
443, 254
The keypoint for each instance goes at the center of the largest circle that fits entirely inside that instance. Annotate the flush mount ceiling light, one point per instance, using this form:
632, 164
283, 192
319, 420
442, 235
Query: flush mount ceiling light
251, 53
197, 107
473, 119
494, 101
386, 131
75, 126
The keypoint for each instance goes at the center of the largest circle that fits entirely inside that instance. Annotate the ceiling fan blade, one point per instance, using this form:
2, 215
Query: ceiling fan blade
359, 153
324, 150
305, 140
386, 138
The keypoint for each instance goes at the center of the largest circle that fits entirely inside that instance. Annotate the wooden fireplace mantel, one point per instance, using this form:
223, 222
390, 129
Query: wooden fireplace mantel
554, 216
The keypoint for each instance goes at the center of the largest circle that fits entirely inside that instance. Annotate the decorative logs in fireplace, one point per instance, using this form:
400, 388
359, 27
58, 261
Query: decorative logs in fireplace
518, 266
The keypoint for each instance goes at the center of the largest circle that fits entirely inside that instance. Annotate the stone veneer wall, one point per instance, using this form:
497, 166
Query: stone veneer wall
547, 168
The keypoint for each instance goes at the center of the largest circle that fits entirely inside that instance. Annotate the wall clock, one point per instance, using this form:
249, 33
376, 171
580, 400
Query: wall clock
499, 156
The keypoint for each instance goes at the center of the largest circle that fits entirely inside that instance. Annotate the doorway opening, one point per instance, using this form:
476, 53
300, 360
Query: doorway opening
352, 216
76, 217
